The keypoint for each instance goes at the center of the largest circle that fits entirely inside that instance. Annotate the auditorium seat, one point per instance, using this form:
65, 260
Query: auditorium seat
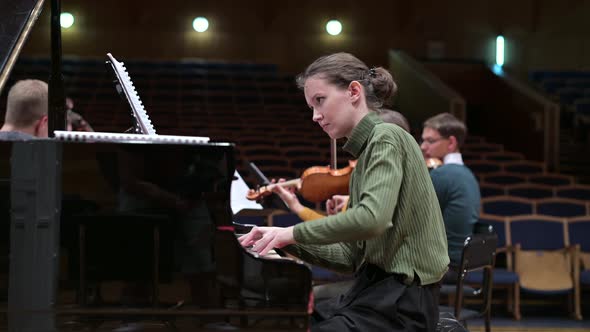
578, 231
575, 191
302, 163
507, 206
561, 207
552, 179
482, 147
539, 242
488, 189
529, 190
503, 156
525, 167
306, 151
481, 167
503, 178
474, 139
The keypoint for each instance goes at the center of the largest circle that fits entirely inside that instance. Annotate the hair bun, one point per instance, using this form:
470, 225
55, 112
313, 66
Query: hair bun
383, 84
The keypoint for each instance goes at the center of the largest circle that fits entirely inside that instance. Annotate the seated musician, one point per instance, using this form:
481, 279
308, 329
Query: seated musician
338, 202
456, 186
392, 233
26, 111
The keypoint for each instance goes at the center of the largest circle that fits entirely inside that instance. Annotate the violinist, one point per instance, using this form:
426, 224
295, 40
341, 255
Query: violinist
338, 202
392, 233
75, 121
456, 186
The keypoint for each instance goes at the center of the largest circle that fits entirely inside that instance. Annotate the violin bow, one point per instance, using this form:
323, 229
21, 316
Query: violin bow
333, 152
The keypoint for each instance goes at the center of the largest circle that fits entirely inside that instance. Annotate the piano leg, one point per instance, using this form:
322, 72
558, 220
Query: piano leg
35, 223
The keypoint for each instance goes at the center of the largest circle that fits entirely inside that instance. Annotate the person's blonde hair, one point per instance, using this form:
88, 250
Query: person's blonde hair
26, 103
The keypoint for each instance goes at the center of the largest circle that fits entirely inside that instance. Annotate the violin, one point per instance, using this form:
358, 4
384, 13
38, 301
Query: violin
433, 163
317, 183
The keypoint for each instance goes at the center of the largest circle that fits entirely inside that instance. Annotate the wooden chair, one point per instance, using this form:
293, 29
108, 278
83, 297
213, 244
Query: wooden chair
578, 230
541, 242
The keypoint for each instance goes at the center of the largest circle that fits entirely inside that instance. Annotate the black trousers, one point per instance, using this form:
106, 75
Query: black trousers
379, 301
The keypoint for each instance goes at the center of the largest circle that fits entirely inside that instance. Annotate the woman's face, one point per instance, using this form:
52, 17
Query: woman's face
332, 107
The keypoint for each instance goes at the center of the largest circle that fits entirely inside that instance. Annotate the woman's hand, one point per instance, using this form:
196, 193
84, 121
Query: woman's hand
263, 239
335, 204
288, 196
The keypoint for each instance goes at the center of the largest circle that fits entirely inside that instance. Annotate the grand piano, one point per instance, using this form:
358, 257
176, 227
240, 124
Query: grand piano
79, 213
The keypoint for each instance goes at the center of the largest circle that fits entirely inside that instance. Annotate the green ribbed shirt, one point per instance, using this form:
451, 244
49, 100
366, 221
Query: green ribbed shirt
393, 219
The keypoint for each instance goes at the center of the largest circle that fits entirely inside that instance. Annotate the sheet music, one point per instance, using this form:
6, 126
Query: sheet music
238, 200
83, 136
142, 119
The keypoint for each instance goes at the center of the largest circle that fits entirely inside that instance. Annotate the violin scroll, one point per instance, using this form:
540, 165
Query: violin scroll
433, 163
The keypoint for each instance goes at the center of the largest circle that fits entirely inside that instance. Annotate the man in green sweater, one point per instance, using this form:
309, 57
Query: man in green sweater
456, 186
392, 233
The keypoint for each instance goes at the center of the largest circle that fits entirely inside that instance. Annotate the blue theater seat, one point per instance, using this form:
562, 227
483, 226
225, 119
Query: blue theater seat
506, 206
530, 191
539, 242
561, 207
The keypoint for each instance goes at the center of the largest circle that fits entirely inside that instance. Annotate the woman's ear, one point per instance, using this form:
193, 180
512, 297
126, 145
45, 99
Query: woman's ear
355, 90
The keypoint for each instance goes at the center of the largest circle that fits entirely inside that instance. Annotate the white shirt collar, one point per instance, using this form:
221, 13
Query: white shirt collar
453, 158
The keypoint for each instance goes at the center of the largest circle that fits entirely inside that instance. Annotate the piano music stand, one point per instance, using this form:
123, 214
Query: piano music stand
126, 90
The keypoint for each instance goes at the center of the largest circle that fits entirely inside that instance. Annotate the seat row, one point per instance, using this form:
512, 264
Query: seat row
536, 191
511, 178
514, 206
487, 164
542, 255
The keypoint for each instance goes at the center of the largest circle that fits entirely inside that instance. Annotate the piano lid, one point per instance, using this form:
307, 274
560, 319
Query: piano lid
17, 18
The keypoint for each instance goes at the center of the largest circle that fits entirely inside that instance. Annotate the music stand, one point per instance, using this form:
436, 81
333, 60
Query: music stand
126, 89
